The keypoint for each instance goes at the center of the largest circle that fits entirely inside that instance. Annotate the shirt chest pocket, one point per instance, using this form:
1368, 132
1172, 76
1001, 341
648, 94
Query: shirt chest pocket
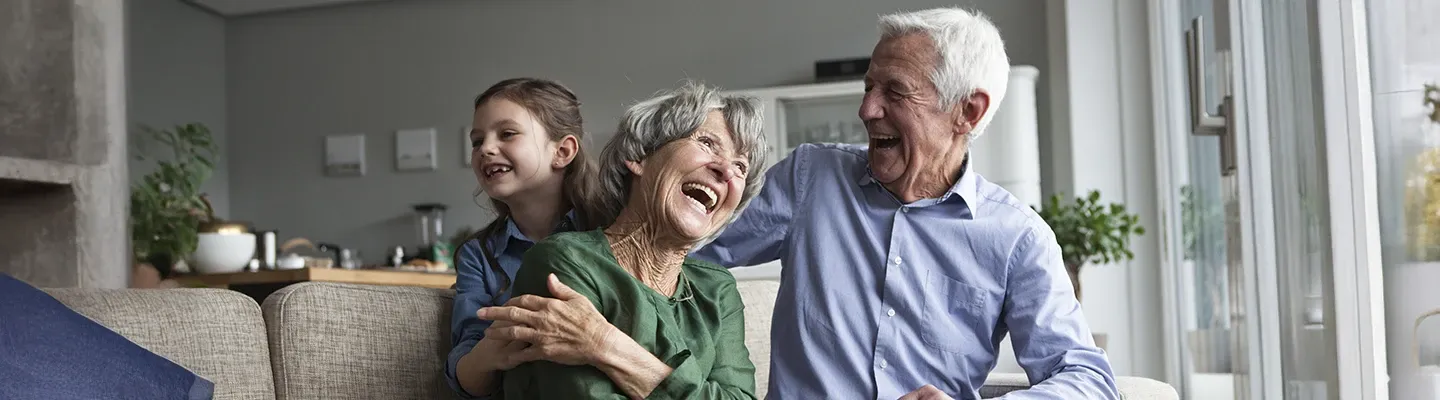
955, 315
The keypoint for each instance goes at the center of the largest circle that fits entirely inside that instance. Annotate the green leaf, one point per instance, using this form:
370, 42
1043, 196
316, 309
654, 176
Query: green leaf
1089, 231
160, 202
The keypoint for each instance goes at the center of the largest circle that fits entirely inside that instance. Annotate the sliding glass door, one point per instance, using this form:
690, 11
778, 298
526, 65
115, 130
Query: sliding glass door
1268, 278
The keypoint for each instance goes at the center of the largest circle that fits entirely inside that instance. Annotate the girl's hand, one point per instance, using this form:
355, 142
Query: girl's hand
498, 354
477, 370
566, 329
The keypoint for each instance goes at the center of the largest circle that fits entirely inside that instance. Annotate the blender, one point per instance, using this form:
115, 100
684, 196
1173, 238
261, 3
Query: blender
432, 247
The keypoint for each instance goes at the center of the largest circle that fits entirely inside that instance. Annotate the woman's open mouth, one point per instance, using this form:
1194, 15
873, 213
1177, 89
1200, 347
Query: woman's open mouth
701, 197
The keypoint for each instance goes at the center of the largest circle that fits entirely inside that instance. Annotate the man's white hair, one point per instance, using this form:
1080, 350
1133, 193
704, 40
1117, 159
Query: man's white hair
970, 54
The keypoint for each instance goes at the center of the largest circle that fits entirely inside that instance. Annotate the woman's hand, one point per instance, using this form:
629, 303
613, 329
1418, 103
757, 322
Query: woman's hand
569, 330
566, 329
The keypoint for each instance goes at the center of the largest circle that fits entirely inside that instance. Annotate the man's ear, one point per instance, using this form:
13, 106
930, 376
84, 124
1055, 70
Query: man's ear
636, 167
969, 110
565, 153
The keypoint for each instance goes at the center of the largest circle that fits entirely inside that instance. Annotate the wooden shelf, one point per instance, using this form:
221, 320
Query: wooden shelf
438, 280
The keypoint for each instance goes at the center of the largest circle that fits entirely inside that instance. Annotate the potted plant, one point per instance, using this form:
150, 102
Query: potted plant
1422, 194
1090, 232
166, 205
1432, 100
1409, 284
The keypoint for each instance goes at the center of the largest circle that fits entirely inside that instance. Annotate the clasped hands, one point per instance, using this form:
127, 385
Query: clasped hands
565, 329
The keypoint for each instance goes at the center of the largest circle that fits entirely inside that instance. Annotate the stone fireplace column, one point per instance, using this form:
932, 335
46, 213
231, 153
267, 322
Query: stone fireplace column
64, 185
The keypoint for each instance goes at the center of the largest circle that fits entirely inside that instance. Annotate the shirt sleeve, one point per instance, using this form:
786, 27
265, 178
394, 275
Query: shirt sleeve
758, 235
472, 291
547, 258
731, 377
1052, 341
545, 379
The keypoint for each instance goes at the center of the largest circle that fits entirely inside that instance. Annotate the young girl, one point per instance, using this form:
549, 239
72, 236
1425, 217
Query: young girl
527, 157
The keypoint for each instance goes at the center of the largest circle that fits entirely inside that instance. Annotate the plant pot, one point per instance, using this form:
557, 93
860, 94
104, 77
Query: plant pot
223, 253
164, 263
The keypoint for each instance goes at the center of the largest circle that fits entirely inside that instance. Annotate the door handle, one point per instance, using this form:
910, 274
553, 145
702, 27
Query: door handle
1202, 122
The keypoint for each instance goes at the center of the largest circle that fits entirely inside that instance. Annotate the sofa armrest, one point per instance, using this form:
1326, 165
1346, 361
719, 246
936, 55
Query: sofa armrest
1131, 387
219, 334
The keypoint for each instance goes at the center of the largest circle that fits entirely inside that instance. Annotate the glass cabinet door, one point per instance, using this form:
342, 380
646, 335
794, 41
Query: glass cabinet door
828, 119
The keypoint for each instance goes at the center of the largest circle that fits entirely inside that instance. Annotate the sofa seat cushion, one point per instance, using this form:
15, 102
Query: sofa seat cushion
1131, 387
217, 334
346, 341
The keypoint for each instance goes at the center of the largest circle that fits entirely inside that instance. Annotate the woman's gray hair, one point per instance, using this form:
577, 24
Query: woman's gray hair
674, 115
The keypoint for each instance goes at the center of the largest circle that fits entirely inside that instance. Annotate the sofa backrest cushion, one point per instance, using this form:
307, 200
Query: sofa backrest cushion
217, 334
344, 341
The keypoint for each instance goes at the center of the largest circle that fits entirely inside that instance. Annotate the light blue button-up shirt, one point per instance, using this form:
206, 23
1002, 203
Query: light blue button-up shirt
879, 298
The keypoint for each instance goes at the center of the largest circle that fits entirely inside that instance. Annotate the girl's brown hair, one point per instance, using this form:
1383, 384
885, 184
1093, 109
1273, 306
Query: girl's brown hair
557, 109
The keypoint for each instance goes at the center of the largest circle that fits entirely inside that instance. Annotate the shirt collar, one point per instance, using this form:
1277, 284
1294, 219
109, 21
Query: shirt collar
966, 187
501, 239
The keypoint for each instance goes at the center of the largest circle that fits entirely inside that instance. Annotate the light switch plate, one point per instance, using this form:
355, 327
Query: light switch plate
415, 149
345, 155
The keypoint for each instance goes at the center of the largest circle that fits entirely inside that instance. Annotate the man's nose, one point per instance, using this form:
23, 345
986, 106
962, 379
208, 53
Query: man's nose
870, 107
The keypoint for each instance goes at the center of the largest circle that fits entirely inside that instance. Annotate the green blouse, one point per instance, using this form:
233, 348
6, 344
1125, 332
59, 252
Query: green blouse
699, 332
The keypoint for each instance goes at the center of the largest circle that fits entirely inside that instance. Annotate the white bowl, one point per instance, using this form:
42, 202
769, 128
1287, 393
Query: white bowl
223, 253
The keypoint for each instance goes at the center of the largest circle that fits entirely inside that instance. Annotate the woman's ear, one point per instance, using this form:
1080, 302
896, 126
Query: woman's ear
565, 152
636, 167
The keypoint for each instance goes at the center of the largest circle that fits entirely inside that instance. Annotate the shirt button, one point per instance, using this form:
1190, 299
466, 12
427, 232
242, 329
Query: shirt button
904, 209
897, 260
890, 313
883, 364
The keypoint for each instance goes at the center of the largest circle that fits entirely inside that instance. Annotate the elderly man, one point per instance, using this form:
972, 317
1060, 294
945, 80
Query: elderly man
903, 269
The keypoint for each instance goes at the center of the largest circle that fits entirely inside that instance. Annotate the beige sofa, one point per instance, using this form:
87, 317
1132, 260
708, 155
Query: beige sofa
325, 340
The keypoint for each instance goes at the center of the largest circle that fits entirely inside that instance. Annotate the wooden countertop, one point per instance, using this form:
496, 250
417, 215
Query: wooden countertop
390, 277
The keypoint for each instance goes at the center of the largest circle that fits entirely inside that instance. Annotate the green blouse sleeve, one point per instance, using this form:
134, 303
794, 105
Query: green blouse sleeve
548, 258
731, 377
544, 379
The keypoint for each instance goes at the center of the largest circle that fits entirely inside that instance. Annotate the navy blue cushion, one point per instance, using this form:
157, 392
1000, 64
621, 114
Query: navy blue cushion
48, 351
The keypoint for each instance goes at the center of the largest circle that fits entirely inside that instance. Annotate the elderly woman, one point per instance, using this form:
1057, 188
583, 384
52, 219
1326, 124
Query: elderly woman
680, 169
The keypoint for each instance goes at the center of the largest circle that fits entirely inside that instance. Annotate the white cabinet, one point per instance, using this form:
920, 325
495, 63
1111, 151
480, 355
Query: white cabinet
1007, 154
813, 113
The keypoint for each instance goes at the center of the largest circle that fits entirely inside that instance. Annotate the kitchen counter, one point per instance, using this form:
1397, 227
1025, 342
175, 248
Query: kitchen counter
261, 283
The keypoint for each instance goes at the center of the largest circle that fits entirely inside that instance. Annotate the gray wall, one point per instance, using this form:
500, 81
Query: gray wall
375, 68
62, 137
177, 75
